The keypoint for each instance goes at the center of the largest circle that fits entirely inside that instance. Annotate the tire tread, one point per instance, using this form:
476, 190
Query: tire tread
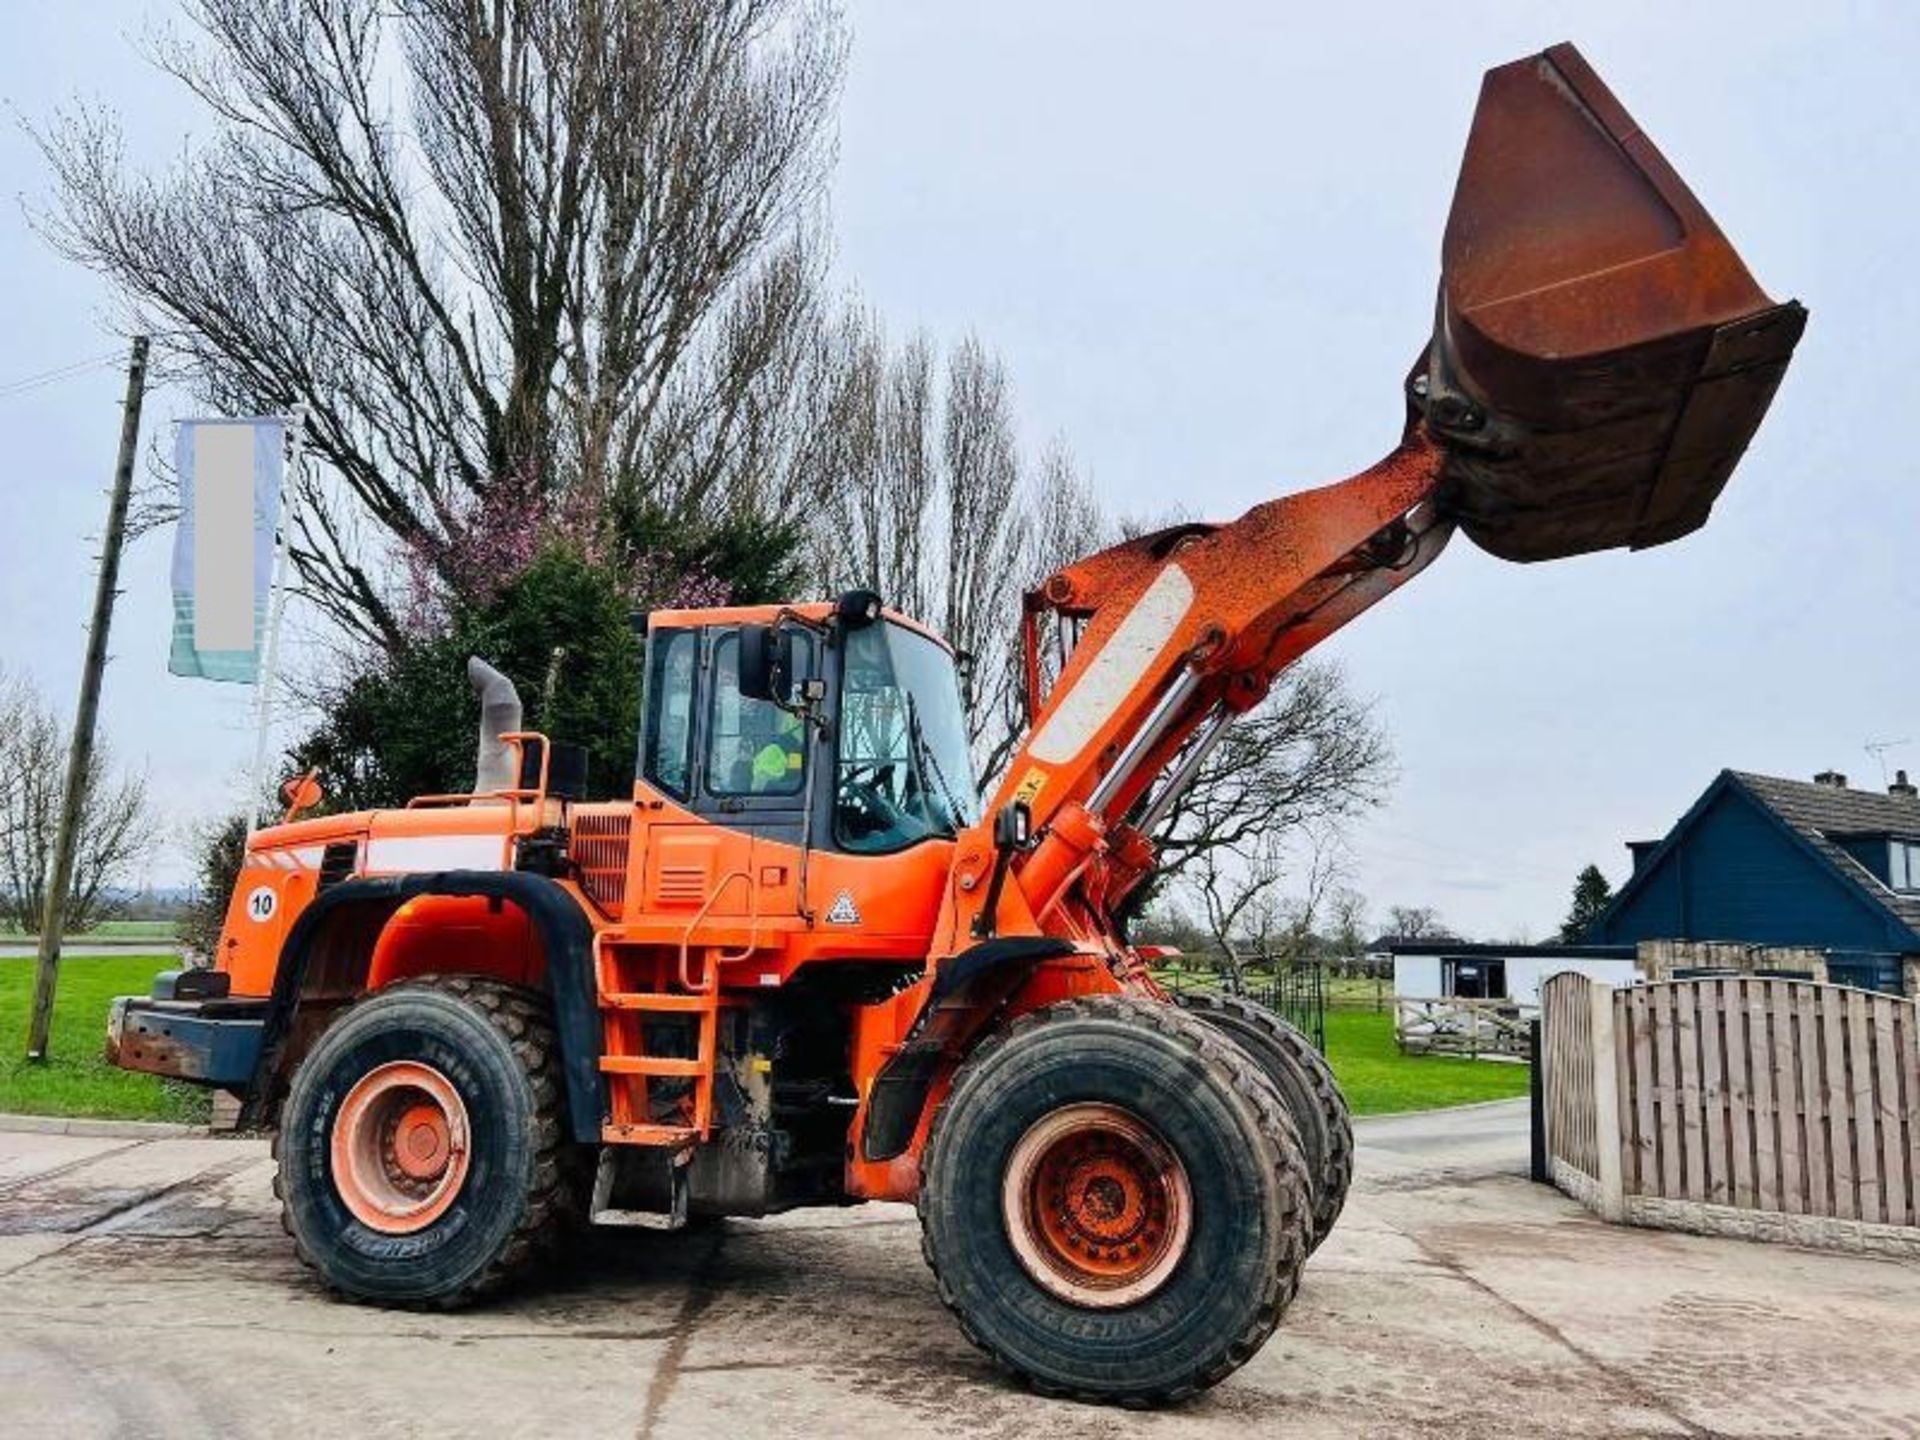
523, 1018
1336, 1168
1238, 1072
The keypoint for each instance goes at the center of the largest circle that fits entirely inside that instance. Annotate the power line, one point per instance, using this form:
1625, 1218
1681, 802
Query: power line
73, 369
61, 372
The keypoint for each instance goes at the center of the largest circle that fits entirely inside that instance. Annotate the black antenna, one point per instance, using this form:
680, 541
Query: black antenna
1878, 750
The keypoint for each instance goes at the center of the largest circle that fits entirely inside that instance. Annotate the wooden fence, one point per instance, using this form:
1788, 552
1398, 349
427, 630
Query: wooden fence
1471, 1028
1779, 1108
1567, 1083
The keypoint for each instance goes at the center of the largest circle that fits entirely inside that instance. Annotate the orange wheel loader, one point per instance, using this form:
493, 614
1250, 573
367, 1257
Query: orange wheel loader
802, 964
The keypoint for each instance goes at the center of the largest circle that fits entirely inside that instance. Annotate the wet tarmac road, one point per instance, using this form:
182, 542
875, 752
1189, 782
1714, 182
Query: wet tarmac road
146, 1289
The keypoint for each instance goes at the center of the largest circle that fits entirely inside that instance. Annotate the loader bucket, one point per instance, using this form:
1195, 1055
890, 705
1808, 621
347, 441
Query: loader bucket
1600, 357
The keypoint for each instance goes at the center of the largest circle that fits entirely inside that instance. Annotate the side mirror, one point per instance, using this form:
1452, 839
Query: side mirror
766, 664
1013, 826
1012, 829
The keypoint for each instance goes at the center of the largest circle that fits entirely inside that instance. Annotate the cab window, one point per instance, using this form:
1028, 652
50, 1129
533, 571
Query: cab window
666, 756
754, 747
904, 774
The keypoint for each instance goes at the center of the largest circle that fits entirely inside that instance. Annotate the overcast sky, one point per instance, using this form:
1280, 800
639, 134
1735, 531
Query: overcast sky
1207, 251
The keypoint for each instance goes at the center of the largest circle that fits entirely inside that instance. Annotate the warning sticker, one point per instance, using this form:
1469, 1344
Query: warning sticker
1031, 784
843, 911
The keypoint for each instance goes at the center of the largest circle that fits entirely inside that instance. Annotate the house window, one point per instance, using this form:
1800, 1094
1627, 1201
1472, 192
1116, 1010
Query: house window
1903, 864
1473, 979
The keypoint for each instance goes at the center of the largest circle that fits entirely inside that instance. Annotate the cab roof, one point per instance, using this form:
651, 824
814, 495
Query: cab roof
817, 611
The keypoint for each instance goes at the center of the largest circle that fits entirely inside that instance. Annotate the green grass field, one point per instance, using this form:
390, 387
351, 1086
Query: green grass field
1352, 992
76, 1079
115, 930
1379, 1080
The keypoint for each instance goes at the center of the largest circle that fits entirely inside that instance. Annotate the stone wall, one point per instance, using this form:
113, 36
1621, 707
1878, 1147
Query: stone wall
1658, 959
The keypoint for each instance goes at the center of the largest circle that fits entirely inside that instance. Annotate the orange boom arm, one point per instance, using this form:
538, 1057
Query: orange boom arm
1180, 631
1600, 359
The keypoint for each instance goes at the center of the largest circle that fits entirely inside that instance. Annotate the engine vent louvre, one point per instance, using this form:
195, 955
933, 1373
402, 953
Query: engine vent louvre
682, 884
599, 852
337, 862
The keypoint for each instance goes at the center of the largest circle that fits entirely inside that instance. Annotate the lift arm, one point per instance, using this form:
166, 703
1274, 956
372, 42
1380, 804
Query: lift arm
1599, 361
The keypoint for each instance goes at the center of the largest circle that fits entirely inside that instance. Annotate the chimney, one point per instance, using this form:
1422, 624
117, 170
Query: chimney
1832, 779
1902, 786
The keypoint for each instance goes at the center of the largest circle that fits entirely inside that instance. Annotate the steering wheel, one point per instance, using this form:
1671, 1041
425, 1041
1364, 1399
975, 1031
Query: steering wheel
864, 804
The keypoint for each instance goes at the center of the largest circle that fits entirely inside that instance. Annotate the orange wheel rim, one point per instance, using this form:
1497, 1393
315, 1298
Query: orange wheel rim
400, 1147
1097, 1206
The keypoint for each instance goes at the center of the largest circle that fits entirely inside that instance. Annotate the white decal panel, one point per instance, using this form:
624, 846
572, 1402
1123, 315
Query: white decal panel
303, 857
1121, 664
844, 911
401, 854
262, 903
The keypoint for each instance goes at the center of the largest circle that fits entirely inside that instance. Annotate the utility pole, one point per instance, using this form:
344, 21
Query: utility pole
80, 755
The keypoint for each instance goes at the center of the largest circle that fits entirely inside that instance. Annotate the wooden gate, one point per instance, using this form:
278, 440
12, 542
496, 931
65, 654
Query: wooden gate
1566, 1037
1468, 1028
1778, 1108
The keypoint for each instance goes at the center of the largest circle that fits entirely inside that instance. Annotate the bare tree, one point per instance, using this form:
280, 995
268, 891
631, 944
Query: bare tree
115, 829
1252, 915
1347, 923
935, 508
1228, 887
574, 254
1309, 757
1416, 922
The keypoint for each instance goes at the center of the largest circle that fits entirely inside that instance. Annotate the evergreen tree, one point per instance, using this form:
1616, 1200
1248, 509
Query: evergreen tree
1591, 895
552, 607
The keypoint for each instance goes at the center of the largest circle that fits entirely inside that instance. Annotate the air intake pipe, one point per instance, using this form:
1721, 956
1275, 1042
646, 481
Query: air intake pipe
496, 764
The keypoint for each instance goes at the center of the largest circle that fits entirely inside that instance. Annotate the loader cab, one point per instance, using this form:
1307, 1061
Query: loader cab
838, 725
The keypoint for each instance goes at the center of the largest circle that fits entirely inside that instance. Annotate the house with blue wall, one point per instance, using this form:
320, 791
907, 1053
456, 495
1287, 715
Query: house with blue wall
1760, 860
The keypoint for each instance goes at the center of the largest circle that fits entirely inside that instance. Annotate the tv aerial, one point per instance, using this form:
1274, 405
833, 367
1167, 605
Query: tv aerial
1878, 749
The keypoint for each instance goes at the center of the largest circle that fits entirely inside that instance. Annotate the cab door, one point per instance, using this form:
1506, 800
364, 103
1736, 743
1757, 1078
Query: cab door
756, 770
731, 773
680, 859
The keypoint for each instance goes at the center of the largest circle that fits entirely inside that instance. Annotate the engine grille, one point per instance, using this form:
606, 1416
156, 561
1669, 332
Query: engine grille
337, 862
599, 851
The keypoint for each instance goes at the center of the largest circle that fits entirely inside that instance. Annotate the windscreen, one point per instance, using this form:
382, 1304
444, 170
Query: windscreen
904, 770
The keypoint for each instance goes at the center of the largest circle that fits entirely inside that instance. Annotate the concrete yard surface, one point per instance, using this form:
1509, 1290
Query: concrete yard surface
146, 1289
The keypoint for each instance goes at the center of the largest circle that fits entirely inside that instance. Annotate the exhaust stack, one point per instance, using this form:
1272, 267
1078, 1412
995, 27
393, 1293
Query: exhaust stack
495, 765
1600, 355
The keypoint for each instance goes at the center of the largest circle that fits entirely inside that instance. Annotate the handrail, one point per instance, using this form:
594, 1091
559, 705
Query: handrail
513, 795
753, 930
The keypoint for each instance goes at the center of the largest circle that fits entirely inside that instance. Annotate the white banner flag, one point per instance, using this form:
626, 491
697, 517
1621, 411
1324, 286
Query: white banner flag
231, 473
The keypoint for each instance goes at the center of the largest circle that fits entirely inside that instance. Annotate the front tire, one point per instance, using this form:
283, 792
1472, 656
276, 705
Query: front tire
421, 1151
1113, 1202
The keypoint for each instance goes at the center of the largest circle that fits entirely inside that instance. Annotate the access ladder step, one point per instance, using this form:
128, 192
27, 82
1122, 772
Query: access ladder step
606, 1209
675, 1135
655, 1065
662, 1004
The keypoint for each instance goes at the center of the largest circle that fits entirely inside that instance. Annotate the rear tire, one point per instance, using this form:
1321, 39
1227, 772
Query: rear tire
1114, 1203
422, 1156
1305, 1081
